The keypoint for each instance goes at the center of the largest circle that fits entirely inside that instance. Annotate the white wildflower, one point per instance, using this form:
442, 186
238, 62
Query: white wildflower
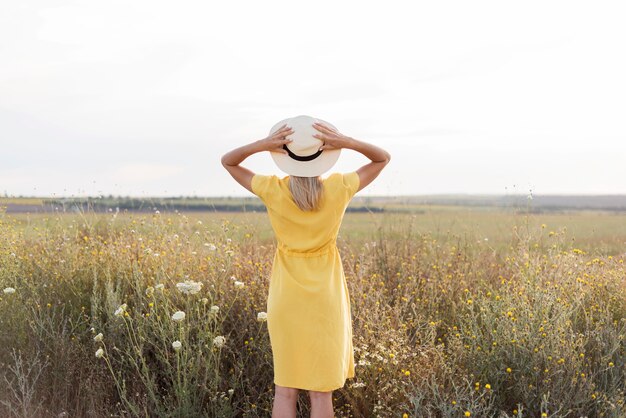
231, 391
8, 290
189, 287
99, 352
176, 345
215, 309
261, 316
98, 338
204, 301
239, 285
159, 286
219, 341
211, 246
178, 316
120, 311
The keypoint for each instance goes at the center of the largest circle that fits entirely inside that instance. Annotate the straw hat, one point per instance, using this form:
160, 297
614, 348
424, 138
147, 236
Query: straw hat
305, 159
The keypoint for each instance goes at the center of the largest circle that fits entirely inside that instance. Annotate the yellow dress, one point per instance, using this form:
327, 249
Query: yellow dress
308, 306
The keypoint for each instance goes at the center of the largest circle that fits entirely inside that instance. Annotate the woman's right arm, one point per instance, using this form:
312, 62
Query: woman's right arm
380, 158
333, 140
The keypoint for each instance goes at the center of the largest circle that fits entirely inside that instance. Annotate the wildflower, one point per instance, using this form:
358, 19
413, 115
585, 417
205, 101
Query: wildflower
229, 252
121, 310
212, 247
487, 386
160, 286
98, 338
189, 287
178, 316
239, 285
261, 316
149, 290
219, 341
468, 413
215, 309
508, 370
8, 290
231, 391
204, 301
176, 345
99, 352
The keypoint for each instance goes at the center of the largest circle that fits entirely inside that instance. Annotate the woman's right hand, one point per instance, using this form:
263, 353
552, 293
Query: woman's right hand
275, 141
331, 137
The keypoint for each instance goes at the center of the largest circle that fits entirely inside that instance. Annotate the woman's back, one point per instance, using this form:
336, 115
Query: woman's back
299, 231
309, 318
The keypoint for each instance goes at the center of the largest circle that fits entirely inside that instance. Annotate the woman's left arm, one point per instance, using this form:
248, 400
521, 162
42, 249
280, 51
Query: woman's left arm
232, 159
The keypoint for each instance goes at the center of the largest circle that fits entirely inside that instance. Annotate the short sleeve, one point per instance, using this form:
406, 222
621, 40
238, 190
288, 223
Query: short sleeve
262, 185
351, 183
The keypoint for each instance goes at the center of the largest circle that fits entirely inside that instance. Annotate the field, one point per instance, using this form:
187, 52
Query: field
457, 311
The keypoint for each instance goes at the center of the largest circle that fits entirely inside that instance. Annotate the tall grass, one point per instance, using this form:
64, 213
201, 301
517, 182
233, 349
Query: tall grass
443, 327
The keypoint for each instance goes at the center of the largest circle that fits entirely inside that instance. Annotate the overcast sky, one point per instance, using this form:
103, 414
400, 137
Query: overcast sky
144, 97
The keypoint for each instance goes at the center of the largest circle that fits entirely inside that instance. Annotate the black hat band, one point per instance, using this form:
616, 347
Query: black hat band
302, 158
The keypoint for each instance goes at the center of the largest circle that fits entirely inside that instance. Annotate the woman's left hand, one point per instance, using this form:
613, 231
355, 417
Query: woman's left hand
275, 142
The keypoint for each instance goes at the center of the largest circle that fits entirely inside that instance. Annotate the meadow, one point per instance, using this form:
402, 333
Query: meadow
457, 312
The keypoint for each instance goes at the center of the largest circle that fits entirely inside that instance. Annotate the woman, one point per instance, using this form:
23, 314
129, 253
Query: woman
308, 306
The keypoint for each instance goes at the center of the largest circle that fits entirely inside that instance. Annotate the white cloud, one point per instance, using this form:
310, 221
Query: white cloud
137, 90
142, 172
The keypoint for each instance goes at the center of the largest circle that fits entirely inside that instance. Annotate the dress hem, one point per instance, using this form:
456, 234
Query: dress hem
301, 387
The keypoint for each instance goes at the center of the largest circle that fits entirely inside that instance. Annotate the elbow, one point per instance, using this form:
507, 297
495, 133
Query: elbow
224, 163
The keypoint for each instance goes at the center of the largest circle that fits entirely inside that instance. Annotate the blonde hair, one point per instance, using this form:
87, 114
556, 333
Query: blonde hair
306, 192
